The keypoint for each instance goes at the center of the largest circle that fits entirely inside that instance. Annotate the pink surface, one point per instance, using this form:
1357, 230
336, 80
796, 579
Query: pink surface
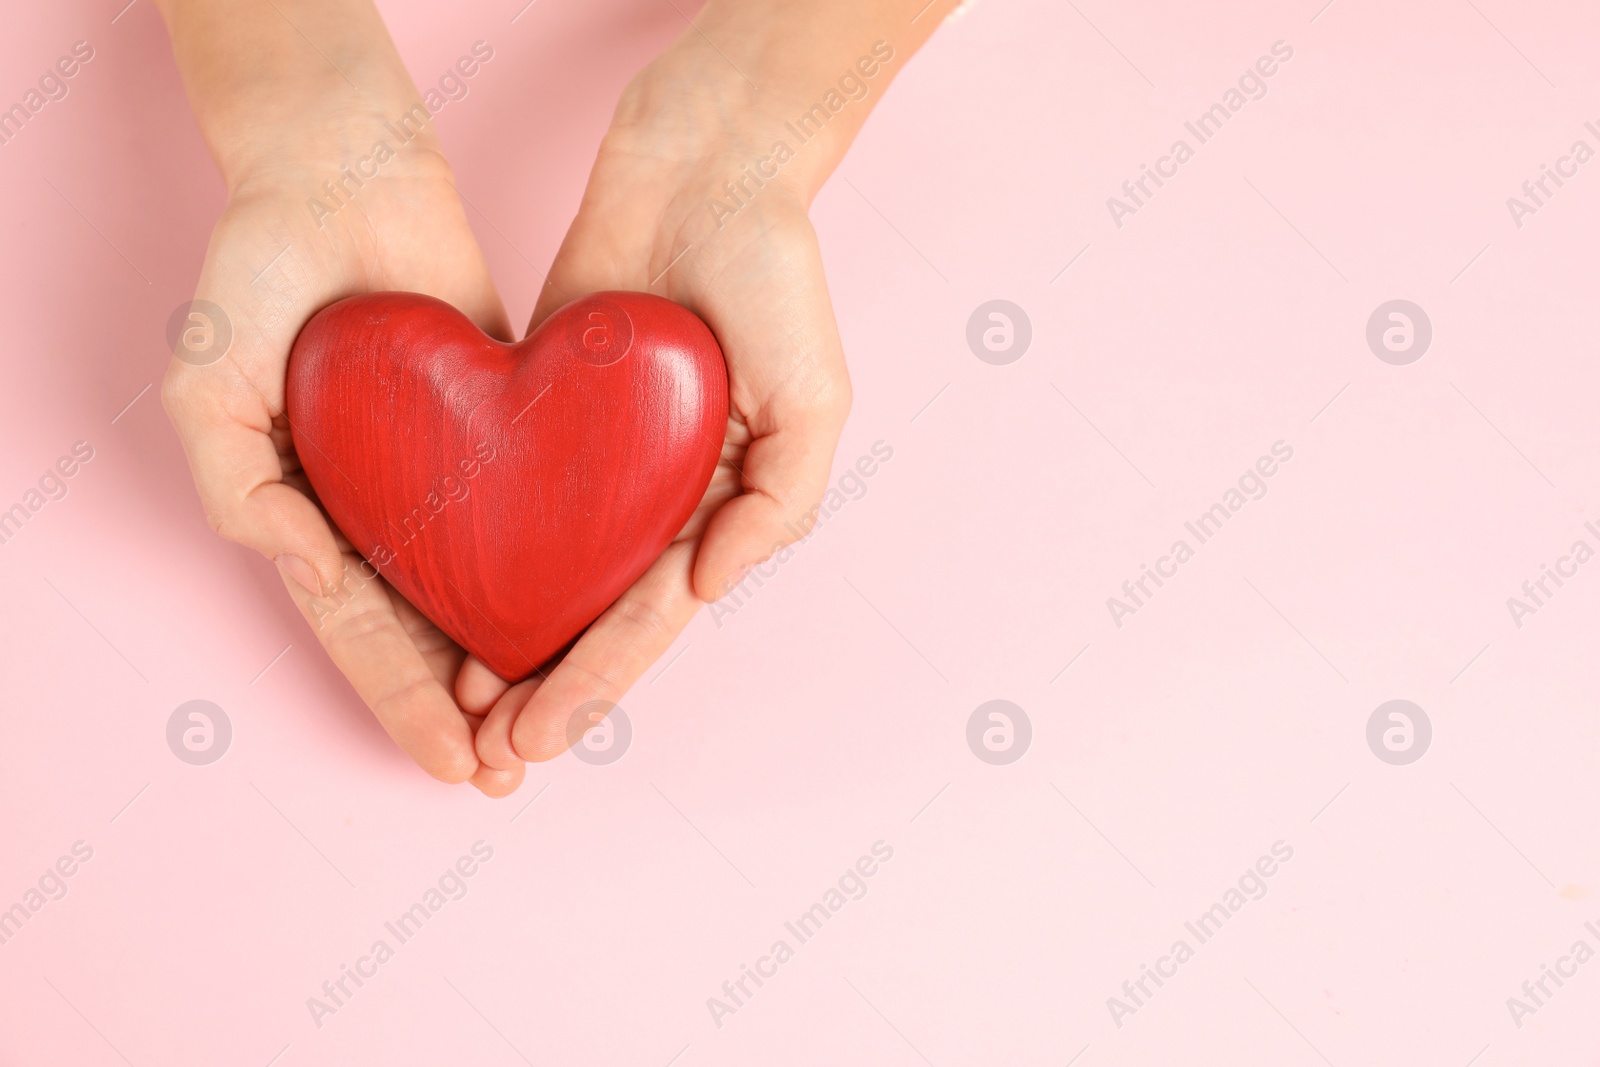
778, 742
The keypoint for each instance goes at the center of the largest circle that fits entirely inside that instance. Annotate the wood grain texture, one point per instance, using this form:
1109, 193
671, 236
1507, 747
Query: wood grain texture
510, 492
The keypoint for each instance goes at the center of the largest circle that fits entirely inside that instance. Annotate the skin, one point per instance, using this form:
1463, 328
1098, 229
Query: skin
281, 116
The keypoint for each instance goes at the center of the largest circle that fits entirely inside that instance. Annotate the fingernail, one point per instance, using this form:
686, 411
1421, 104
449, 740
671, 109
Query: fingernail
301, 572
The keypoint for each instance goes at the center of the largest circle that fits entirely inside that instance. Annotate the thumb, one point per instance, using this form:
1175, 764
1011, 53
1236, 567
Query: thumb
787, 379
607, 247
239, 472
784, 475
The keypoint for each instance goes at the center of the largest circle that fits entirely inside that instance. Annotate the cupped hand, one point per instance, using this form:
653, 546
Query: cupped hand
753, 271
273, 262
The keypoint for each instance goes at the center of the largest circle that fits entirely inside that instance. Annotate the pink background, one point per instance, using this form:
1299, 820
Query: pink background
778, 746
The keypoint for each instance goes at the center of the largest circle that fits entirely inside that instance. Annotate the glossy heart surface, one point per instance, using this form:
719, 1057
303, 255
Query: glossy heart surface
510, 491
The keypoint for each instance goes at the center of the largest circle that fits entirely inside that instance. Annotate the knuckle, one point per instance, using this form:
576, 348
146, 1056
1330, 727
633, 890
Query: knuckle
179, 392
646, 626
360, 626
837, 399
221, 516
216, 518
392, 705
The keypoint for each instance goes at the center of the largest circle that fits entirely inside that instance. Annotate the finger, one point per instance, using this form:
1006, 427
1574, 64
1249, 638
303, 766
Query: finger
226, 410
783, 478
452, 268
498, 781
365, 638
494, 736
227, 405
787, 378
459, 275
608, 246
495, 783
478, 687
224, 425
610, 656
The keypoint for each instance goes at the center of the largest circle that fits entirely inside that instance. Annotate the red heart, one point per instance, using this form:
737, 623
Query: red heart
510, 492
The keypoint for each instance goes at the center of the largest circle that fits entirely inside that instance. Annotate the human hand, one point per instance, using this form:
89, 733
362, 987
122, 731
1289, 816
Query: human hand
686, 126
272, 263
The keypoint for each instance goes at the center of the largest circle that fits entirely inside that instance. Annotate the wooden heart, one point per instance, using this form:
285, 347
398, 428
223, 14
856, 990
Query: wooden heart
510, 492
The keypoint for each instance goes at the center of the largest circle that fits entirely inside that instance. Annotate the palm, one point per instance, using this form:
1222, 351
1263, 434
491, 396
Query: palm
271, 267
758, 283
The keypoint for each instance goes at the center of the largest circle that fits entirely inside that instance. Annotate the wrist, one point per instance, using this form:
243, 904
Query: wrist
270, 104
769, 86
368, 138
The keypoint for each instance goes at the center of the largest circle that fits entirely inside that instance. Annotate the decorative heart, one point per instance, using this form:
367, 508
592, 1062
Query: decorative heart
510, 492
